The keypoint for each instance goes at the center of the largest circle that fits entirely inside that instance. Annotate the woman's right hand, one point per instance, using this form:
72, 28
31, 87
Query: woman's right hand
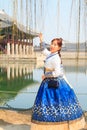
41, 37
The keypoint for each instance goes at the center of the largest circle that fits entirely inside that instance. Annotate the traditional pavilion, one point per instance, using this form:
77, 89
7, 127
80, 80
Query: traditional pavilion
16, 40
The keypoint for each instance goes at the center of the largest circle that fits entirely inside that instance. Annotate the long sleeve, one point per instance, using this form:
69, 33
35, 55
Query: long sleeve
43, 48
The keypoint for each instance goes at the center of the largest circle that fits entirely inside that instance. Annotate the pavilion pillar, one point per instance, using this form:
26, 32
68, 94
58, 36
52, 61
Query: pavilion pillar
20, 49
23, 49
8, 48
31, 50
12, 48
16, 48
27, 46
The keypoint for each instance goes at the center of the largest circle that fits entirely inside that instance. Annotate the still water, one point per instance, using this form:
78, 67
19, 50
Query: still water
19, 82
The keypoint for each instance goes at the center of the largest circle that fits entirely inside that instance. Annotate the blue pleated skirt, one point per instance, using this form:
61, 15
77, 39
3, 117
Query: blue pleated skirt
56, 104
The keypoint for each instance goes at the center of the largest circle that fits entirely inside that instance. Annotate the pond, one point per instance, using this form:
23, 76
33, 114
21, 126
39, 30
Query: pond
19, 83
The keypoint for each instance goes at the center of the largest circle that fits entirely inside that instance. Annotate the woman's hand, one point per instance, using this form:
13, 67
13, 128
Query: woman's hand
41, 37
43, 77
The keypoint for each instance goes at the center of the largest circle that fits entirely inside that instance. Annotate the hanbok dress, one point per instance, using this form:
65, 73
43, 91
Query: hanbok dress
56, 108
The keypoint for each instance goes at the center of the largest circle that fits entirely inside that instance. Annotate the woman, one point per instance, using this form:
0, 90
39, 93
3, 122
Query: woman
56, 106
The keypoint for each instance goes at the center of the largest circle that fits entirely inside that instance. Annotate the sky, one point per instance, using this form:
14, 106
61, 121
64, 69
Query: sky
56, 18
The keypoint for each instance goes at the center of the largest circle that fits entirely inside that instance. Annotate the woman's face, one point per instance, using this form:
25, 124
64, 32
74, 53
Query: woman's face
54, 46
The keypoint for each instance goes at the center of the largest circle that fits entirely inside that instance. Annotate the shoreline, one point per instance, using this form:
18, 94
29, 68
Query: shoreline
21, 120
38, 56
65, 55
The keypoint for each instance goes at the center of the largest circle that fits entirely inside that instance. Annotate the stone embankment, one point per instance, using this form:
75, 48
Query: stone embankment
39, 56
18, 120
65, 55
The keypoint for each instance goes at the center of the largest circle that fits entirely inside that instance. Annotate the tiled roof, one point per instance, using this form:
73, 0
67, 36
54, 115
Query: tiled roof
6, 21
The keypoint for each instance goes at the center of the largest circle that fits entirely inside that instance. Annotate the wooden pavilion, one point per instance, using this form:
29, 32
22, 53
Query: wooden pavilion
16, 40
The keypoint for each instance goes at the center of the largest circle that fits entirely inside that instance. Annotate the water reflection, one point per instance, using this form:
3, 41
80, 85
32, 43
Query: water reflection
13, 78
76, 72
13, 70
19, 82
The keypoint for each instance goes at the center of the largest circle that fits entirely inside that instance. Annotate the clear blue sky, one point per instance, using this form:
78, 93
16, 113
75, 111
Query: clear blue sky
59, 18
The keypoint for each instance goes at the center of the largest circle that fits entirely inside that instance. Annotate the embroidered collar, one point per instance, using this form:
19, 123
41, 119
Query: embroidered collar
51, 54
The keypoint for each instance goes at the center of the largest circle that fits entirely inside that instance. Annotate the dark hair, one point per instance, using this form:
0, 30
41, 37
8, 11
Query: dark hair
59, 43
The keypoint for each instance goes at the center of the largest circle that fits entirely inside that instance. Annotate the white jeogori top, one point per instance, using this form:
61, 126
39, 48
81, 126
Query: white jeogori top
52, 63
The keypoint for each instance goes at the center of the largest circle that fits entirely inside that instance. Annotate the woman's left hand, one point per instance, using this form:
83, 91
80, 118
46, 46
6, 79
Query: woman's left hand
43, 77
